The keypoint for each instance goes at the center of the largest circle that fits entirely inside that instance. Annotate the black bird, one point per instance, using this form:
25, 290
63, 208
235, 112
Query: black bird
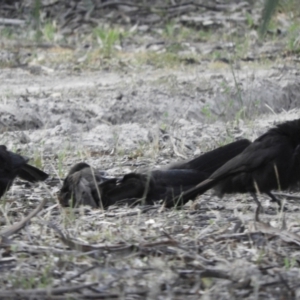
271, 162
13, 165
85, 185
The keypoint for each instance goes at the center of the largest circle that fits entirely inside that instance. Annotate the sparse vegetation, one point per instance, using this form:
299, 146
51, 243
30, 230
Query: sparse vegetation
49, 31
61, 156
108, 38
293, 44
192, 81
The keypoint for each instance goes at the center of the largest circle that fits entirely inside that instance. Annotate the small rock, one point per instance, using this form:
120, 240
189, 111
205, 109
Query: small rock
24, 138
119, 96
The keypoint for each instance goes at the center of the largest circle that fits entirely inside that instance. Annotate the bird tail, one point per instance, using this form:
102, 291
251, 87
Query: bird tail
32, 174
211, 161
191, 193
208, 163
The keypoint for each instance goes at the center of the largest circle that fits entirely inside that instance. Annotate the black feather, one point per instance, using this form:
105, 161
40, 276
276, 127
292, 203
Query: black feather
149, 186
271, 162
13, 165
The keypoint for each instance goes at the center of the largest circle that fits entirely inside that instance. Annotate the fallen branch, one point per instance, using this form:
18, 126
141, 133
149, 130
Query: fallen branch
18, 226
31, 293
165, 7
291, 196
118, 250
4, 21
285, 235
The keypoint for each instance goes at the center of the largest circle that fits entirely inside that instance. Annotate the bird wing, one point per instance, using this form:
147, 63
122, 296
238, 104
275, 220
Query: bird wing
214, 159
259, 153
32, 174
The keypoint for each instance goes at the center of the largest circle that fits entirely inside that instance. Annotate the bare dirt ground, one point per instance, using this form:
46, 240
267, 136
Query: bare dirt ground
119, 116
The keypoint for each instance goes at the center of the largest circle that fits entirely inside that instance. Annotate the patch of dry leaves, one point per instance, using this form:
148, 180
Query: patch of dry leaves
204, 250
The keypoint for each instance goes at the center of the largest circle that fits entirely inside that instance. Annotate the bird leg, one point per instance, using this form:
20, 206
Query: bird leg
258, 207
274, 199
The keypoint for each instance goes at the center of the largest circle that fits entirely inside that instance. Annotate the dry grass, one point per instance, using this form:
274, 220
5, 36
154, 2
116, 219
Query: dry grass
209, 248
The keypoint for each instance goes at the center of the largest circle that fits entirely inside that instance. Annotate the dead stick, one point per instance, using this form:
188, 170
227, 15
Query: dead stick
18, 226
33, 292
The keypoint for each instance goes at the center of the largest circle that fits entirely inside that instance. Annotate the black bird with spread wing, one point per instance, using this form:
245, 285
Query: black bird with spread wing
13, 165
85, 185
271, 162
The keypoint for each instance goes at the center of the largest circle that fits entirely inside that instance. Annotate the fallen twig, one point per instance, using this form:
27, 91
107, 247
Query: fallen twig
287, 195
4, 21
18, 226
31, 293
285, 235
